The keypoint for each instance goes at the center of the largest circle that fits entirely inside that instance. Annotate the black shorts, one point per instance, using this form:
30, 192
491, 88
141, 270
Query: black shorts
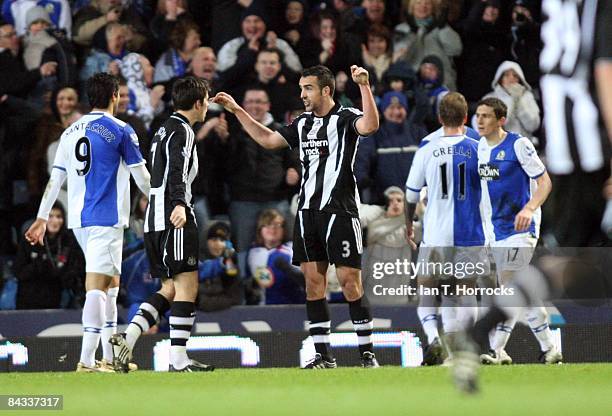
578, 207
173, 250
322, 236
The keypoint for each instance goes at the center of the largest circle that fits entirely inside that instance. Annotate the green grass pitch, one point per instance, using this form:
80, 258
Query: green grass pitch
568, 389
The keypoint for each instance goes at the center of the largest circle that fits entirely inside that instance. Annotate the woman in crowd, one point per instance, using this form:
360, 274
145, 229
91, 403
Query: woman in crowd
50, 276
269, 262
64, 112
425, 32
329, 48
386, 242
510, 86
169, 13
184, 40
376, 55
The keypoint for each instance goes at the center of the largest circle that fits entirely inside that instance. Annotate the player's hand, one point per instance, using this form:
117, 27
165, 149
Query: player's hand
227, 101
36, 232
523, 219
410, 236
178, 218
360, 75
292, 177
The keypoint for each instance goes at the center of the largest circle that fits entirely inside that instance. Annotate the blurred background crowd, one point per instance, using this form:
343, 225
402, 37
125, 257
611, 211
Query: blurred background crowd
416, 51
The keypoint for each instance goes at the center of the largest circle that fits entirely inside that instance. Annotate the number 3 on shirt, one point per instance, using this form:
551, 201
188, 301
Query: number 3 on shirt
82, 152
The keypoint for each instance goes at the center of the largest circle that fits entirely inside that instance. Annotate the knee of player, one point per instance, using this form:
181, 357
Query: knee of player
167, 290
352, 287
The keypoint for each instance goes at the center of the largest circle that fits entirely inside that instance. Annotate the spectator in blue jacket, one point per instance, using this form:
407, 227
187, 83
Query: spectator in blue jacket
136, 277
384, 159
220, 285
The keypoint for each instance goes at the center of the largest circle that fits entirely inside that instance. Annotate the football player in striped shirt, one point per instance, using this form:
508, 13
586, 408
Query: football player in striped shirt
327, 229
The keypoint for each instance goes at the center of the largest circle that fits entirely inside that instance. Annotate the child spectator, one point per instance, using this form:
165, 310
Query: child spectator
220, 286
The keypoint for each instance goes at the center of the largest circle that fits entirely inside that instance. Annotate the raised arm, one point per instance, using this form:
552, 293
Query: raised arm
257, 131
367, 124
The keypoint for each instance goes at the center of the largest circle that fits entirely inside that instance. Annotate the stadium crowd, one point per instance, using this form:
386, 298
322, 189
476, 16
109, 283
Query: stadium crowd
416, 51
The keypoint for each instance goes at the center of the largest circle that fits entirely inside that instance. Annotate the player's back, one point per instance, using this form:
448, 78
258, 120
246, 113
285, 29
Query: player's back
448, 166
94, 151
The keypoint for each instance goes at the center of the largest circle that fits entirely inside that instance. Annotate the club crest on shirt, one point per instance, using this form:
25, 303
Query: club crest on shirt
501, 155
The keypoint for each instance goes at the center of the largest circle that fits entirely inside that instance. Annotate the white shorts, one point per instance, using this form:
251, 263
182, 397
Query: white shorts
103, 249
514, 253
458, 262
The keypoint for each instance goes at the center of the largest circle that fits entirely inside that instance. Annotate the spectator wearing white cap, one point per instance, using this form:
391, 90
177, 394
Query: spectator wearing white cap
58, 12
510, 86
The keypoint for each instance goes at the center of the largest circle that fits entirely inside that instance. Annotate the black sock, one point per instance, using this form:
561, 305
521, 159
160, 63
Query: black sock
362, 322
151, 311
319, 326
182, 317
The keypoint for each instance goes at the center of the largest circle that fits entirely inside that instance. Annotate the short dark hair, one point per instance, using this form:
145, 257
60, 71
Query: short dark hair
277, 51
381, 31
325, 77
255, 87
186, 91
100, 89
453, 110
499, 107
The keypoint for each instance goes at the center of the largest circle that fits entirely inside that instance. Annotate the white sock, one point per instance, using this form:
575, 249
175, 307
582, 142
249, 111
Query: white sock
448, 314
178, 353
467, 312
110, 325
504, 329
146, 317
429, 320
538, 322
93, 319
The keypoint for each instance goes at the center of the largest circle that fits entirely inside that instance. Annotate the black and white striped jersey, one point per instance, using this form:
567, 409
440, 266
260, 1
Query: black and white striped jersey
173, 163
328, 146
575, 35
